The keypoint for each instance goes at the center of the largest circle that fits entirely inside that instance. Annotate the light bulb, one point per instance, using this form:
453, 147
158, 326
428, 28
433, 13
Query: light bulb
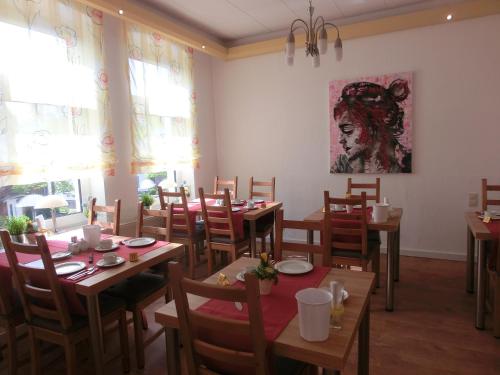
315, 61
290, 45
323, 41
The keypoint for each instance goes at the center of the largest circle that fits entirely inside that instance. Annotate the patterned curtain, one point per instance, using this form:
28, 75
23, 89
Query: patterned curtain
54, 105
163, 102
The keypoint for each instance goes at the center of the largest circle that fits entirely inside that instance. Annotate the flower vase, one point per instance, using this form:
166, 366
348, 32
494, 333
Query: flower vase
265, 286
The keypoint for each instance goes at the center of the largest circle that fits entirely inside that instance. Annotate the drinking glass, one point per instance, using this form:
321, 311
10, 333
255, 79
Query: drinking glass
337, 306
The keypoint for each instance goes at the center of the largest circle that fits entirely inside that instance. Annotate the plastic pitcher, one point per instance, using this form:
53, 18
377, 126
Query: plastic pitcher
314, 313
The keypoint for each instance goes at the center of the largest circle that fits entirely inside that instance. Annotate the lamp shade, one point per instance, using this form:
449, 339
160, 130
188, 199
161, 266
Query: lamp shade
315, 61
338, 49
323, 41
51, 201
289, 60
290, 45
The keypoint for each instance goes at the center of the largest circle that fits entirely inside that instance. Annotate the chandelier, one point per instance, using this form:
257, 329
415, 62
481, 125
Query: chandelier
316, 38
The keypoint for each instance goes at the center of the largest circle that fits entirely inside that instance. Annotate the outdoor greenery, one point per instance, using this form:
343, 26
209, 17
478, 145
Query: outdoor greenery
16, 225
147, 199
63, 187
265, 270
37, 188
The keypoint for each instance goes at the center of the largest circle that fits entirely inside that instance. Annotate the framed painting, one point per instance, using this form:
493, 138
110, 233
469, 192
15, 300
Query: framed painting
371, 124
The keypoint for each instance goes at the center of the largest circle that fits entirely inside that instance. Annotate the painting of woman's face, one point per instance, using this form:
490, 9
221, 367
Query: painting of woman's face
353, 136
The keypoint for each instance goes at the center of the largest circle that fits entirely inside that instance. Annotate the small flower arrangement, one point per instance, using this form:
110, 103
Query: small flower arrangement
147, 200
265, 270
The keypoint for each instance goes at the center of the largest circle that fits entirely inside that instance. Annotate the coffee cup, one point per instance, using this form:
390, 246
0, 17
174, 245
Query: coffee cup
106, 244
109, 258
250, 203
380, 213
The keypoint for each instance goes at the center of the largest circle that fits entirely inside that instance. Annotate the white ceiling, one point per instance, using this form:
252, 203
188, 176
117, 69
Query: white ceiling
238, 21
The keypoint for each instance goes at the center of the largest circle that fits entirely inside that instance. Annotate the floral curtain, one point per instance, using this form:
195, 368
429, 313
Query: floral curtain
163, 102
54, 101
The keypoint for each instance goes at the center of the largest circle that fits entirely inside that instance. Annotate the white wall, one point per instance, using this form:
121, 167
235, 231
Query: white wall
272, 120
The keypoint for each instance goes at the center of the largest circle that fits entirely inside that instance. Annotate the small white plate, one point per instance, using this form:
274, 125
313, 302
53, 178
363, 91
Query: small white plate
345, 293
139, 242
250, 208
67, 268
60, 255
293, 267
235, 209
493, 217
101, 263
101, 250
258, 201
237, 202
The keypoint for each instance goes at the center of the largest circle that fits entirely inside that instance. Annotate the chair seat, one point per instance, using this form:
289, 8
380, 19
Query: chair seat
137, 288
372, 245
107, 305
227, 240
199, 231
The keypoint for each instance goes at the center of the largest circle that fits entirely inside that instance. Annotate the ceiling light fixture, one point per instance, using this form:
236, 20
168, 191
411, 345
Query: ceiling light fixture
120, 12
203, 46
449, 17
316, 38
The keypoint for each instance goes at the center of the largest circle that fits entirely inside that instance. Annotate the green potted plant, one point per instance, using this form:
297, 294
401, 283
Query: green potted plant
147, 200
266, 273
16, 225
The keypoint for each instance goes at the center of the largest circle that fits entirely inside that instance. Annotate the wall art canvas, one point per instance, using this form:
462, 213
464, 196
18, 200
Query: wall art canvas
371, 124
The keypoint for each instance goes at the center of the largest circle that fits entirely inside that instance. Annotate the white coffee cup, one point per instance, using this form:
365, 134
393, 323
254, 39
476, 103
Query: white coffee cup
250, 203
349, 208
380, 213
106, 244
109, 258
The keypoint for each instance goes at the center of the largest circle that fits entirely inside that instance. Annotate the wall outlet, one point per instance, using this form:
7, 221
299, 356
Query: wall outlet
473, 200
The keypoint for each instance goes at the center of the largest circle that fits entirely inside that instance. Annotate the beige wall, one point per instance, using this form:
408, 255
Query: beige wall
272, 120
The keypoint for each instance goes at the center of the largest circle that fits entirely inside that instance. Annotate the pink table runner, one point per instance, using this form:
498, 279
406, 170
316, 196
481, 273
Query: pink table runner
278, 308
69, 286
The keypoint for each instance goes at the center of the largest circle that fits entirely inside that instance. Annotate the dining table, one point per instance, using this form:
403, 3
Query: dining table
90, 286
392, 227
479, 234
332, 354
246, 214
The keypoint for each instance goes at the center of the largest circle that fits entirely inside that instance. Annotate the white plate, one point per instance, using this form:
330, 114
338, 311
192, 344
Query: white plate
101, 250
293, 267
250, 208
258, 201
101, 263
139, 242
67, 268
345, 293
238, 202
235, 209
60, 255
493, 217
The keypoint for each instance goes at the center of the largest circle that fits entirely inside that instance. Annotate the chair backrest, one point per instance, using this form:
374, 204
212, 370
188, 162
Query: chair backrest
218, 352
374, 195
39, 289
299, 247
218, 219
232, 185
180, 212
114, 225
346, 232
163, 215
264, 194
485, 201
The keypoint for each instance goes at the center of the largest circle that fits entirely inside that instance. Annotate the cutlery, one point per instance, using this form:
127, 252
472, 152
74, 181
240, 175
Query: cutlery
90, 272
238, 306
81, 273
78, 273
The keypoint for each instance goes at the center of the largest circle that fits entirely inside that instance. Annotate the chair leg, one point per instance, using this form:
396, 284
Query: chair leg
210, 260
144, 320
11, 349
376, 267
496, 307
124, 342
271, 238
138, 339
192, 258
70, 354
35, 353
263, 244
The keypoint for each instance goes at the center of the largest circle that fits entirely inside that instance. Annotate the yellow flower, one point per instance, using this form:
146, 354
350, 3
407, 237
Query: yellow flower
263, 257
269, 269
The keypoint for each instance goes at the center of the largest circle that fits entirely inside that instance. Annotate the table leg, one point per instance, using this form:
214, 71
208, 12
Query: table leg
96, 332
469, 270
364, 343
481, 285
172, 351
389, 298
310, 241
396, 255
253, 238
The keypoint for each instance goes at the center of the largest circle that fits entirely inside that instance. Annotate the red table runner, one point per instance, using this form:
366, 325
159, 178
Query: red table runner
278, 308
493, 226
68, 286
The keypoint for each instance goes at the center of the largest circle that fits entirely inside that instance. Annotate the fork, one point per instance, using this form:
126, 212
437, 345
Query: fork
81, 273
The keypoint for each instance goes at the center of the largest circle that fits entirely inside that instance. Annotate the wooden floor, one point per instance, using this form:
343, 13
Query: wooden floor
430, 332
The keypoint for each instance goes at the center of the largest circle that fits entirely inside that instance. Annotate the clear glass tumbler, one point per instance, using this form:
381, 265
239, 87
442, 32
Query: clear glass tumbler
337, 307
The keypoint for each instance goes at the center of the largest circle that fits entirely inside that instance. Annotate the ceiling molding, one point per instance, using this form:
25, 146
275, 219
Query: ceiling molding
139, 14
147, 17
429, 17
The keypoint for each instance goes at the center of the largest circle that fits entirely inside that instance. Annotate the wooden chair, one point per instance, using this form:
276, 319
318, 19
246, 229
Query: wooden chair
145, 288
298, 247
265, 224
348, 235
219, 228
374, 196
207, 353
485, 200
11, 317
46, 311
114, 226
184, 231
232, 185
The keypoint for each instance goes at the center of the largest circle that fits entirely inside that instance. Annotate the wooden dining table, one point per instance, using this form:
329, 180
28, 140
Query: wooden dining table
92, 286
331, 354
392, 227
478, 235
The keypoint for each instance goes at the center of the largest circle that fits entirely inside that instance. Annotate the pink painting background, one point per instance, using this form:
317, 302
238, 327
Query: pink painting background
335, 90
